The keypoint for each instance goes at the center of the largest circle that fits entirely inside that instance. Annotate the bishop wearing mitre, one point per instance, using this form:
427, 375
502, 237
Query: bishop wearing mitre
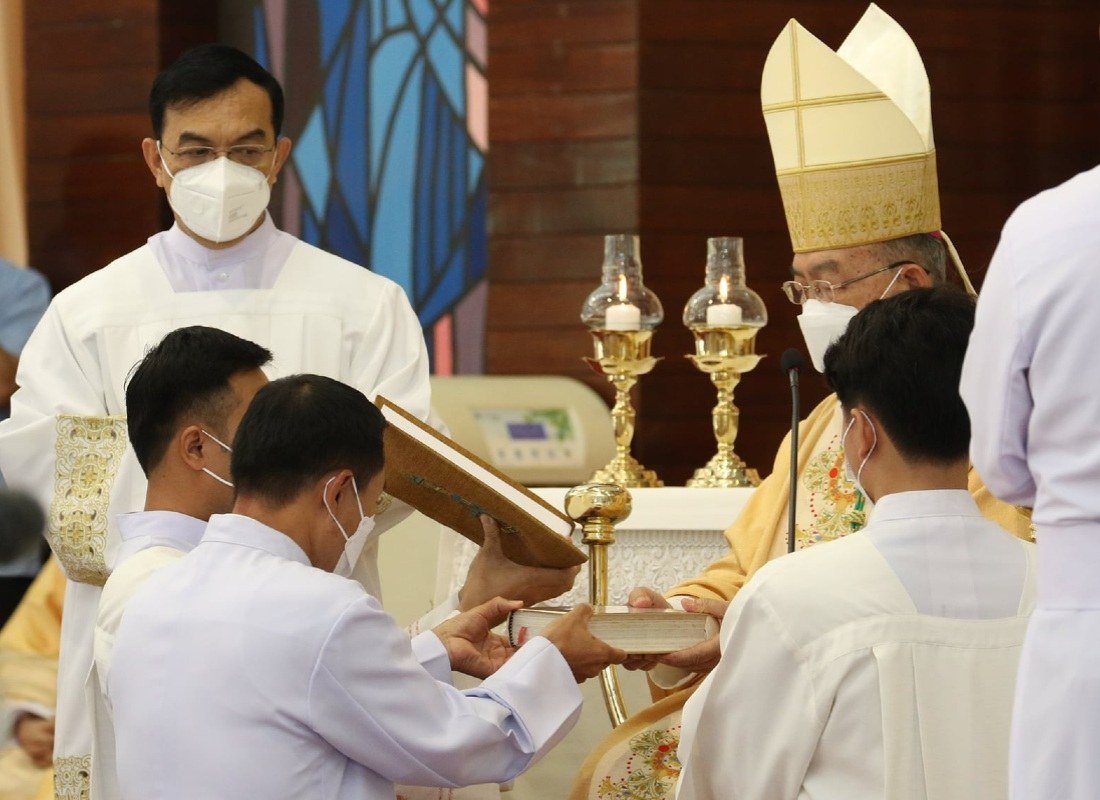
851, 137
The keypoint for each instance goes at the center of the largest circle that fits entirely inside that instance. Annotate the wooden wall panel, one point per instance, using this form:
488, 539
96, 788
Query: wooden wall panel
1016, 105
90, 64
563, 171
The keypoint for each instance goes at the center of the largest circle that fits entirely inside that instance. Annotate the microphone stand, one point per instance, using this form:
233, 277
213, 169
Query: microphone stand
791, 361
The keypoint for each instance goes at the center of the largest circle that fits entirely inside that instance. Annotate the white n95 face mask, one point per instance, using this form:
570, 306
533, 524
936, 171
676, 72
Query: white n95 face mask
822, 324
354, 544
219, 200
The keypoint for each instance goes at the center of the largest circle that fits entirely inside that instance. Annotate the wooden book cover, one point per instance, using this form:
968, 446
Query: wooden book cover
446, 482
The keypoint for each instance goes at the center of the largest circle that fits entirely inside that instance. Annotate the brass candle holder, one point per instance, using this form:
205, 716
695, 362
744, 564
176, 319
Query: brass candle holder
724, 317
725, 354
621, 314
598, 508
622, 356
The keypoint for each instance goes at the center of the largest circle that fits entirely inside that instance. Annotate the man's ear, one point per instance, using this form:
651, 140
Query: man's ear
152, 160
914, 276
189, 444
861, 438
282, 154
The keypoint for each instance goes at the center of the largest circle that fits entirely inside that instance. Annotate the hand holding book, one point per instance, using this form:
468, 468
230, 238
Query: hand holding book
700, 657
585, 654
493, 574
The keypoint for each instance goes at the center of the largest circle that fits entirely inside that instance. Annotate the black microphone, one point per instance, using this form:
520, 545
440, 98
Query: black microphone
791, 362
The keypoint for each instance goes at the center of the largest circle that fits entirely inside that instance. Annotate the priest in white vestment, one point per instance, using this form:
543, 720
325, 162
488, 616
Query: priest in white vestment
1033, 390
880, 665
247, 669
216, 116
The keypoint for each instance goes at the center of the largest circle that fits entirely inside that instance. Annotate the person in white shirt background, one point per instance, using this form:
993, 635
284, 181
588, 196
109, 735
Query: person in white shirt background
882, 664
216, 150
1032, 385
247, 669
183, 404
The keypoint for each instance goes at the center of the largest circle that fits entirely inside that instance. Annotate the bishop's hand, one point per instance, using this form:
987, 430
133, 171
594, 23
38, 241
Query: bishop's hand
470, 643
492, 574
704, 656
35, 736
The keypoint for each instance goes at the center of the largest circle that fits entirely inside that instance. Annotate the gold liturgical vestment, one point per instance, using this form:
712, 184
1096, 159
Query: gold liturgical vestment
638, 760
29, 644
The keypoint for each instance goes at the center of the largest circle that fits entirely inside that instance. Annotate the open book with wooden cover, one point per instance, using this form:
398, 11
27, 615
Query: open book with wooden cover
446, 482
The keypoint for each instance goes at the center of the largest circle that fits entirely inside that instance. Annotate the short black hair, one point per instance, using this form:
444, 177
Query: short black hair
902, 358
186, 373
297, 429
205, 71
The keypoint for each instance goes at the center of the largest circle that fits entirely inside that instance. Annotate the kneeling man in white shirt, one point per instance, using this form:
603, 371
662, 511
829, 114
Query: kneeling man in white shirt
881, 664
248, 669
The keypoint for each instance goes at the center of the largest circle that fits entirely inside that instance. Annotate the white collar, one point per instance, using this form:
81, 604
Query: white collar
251, 247
928, 503
168, 527
237, 529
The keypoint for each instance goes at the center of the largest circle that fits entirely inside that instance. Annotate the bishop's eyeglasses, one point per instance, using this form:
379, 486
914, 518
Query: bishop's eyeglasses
799, 293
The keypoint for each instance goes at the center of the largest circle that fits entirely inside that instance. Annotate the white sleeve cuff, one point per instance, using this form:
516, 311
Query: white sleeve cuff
12, 711
539, 686
429, 651
441, 613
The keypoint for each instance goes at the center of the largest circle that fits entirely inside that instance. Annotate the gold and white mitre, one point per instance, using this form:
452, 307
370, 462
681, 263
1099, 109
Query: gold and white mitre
851, 135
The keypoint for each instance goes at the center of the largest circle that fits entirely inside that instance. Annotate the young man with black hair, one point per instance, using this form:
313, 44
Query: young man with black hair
183, 404
881, 664
263, 674
216, 150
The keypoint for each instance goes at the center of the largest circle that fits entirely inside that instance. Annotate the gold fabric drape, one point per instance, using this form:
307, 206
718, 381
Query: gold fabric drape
13, 197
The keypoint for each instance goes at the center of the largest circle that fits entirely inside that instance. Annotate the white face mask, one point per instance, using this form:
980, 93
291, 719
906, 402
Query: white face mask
823, 323
354, 544
219, 200
854, 477
227, 449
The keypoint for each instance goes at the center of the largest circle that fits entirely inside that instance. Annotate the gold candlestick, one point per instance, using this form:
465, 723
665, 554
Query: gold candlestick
597, 508
725, 353
623, 356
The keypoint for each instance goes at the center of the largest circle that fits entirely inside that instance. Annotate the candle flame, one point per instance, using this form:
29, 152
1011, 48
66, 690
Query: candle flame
724, 288
622, 288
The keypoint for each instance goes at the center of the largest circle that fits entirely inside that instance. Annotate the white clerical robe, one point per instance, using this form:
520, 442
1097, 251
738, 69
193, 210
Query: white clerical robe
242, 671
880, 665
150, 541
1032, 388
66, 439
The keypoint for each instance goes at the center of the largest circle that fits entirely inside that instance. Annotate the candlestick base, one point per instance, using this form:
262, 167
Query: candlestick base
724, 472
627, 472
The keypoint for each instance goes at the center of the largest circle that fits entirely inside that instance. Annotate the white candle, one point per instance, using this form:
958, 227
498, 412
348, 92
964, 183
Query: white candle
724, 314
623, 317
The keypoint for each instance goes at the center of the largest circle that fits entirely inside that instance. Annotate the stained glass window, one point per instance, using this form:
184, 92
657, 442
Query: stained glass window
387, 106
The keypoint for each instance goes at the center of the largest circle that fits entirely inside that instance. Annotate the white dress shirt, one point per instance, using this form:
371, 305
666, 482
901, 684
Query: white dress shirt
880, 665
242, 671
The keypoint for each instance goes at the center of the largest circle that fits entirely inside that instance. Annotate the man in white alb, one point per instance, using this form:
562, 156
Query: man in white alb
247, 669
183, 404
881, 664
216, 117
1032, 385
